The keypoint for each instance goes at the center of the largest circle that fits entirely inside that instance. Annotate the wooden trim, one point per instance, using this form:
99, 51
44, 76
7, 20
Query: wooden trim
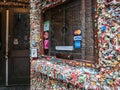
95, 30
14, 4
83, 9
20, 10
54, 5
41, 50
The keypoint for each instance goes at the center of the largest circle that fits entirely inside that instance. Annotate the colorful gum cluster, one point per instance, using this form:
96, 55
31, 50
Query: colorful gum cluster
107, 74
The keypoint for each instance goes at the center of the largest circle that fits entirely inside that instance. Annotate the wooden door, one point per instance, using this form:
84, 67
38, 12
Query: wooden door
2, 48
18, 55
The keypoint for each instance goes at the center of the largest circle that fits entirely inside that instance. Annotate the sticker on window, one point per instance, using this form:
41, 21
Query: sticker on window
77, 37
46, 25
77, 44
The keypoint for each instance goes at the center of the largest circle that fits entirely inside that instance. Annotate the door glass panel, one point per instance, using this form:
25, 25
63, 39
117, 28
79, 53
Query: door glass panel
21, 31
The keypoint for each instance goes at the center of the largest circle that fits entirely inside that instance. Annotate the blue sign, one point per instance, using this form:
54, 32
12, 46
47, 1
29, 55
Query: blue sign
77, 44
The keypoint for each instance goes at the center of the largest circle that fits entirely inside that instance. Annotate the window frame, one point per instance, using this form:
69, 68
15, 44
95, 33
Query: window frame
95, 36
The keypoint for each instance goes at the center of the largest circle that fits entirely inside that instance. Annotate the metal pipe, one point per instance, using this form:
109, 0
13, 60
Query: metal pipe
6, 56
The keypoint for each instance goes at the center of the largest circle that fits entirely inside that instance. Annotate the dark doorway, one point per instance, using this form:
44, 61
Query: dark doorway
2, 51
18, 56
14, 47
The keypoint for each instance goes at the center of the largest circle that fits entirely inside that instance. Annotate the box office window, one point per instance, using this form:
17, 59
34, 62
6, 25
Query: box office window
68, 32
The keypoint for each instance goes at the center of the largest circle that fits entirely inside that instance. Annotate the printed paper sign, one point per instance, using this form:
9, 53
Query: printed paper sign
46, 25
34, 53
15, 42
68, 48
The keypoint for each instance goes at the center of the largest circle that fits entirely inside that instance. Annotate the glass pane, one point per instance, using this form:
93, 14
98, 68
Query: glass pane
67, 37
64, 22
21, 31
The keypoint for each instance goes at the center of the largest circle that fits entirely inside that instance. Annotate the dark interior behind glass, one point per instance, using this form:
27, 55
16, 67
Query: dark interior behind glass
21, 31
64, 20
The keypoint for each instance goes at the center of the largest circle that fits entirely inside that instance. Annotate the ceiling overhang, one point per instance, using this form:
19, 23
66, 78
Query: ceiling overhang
47, 4
12, 3
42, 4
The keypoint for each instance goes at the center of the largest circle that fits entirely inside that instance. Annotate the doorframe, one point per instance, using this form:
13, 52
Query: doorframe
7, 41
9, 12
11, 55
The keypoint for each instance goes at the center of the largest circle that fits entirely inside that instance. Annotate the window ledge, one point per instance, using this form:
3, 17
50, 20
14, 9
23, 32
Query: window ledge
74, 62
62, 71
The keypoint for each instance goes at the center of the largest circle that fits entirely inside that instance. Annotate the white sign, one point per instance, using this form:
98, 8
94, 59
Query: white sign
15, 42
33, 53
68, 48
77, 37
46, 25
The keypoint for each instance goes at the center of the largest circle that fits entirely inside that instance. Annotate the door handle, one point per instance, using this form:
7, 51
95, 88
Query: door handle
6, 57
9, 54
